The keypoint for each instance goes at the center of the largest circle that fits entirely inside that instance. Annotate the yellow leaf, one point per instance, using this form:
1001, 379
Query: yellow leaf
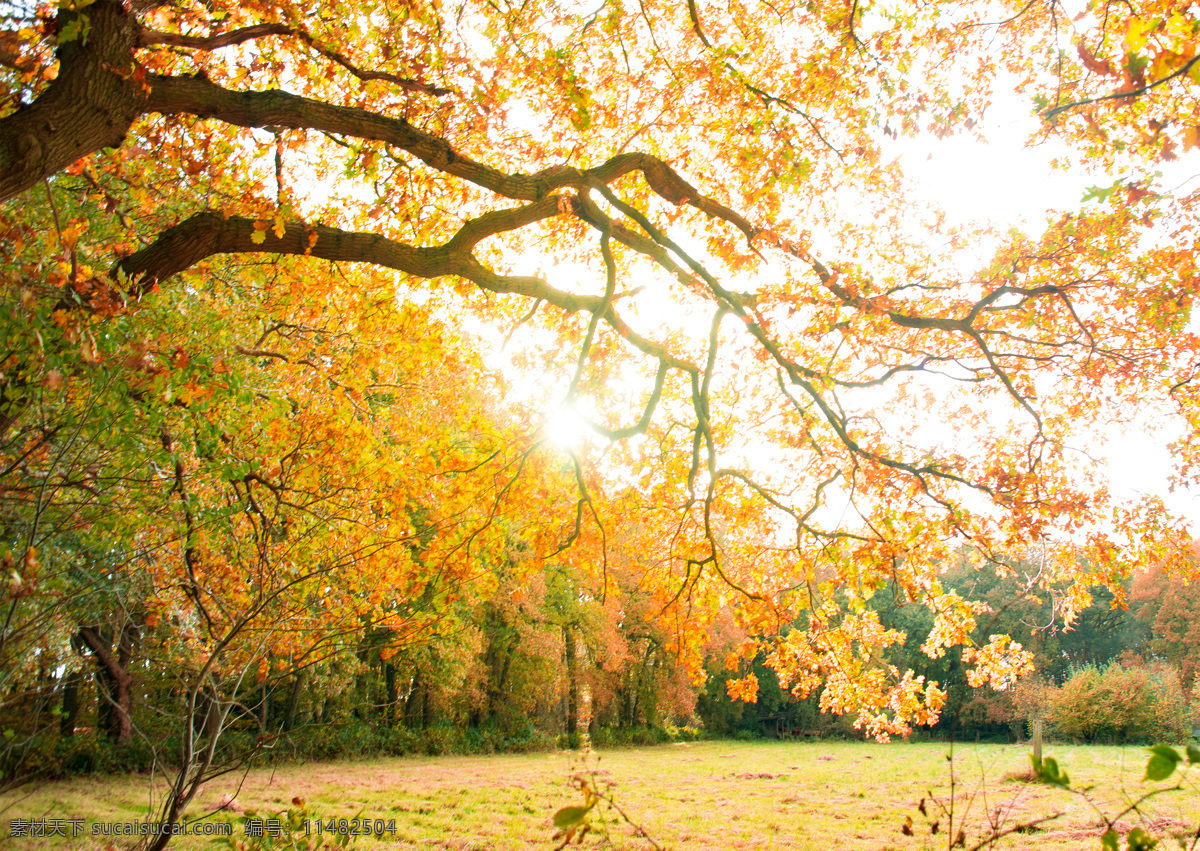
1178, 25
1163, 64
279, 228
1191, 137
1135, 35
70, 235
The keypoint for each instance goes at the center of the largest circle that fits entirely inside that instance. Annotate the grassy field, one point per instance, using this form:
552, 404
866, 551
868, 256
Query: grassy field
703, 795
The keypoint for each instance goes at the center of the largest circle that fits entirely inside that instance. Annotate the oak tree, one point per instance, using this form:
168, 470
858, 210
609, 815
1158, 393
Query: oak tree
685, 220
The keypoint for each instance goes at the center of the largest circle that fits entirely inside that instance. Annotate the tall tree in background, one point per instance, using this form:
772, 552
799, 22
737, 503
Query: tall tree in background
681, 217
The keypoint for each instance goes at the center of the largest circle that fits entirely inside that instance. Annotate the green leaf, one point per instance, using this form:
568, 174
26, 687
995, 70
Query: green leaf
1193, 754
1159, 768
569, 817
1162, 762
1047, 771
1109, 840
1167, 752
1100, 193
1139, 840
77, 28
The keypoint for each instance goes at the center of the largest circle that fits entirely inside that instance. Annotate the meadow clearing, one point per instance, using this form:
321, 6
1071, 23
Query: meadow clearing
701, 795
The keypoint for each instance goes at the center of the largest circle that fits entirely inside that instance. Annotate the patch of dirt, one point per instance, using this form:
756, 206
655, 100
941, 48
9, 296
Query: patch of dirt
227, 803
1173, 826
763, 776
1023, 776
1161, 826
826, 758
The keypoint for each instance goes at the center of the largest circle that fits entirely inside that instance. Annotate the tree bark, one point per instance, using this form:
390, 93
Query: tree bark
572, 683
70, 703
264, 708
390, 694
414, 712
289, 716
90, 105
116, 698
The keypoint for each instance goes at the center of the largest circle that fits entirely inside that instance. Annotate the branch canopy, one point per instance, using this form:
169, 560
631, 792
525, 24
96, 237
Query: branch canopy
683, 229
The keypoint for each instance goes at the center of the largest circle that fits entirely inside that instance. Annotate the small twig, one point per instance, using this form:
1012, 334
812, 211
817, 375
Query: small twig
536, 304
1132, 93
149, 38
59, 230
991, 838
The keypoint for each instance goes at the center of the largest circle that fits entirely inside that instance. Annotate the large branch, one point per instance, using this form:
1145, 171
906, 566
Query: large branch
275, 108
209, 233
104, 655
100, 91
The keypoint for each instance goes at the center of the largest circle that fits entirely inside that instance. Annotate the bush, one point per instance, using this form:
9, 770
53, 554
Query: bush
50, 756
1119, 704
615, 737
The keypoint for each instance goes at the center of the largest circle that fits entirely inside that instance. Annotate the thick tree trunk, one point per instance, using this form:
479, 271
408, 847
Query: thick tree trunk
572, 684
414, 711
426, 709
70, 703
390, 694
116, 694
90, 105
264, 708
289, 715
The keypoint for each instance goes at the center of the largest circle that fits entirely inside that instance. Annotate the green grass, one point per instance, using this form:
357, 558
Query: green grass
703, 795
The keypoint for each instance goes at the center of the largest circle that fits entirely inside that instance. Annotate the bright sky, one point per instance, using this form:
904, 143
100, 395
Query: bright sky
1007, 184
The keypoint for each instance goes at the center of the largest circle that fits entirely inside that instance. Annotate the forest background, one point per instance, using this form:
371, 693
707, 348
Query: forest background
299, 298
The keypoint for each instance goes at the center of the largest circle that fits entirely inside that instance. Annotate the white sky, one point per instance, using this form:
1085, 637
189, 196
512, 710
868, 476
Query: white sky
1007, 184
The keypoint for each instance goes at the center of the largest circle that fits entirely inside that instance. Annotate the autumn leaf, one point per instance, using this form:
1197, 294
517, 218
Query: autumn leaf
744, 689
1096, 66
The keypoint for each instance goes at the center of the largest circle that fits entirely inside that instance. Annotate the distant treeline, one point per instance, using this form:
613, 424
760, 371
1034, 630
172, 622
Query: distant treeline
1123, 670
539, 664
